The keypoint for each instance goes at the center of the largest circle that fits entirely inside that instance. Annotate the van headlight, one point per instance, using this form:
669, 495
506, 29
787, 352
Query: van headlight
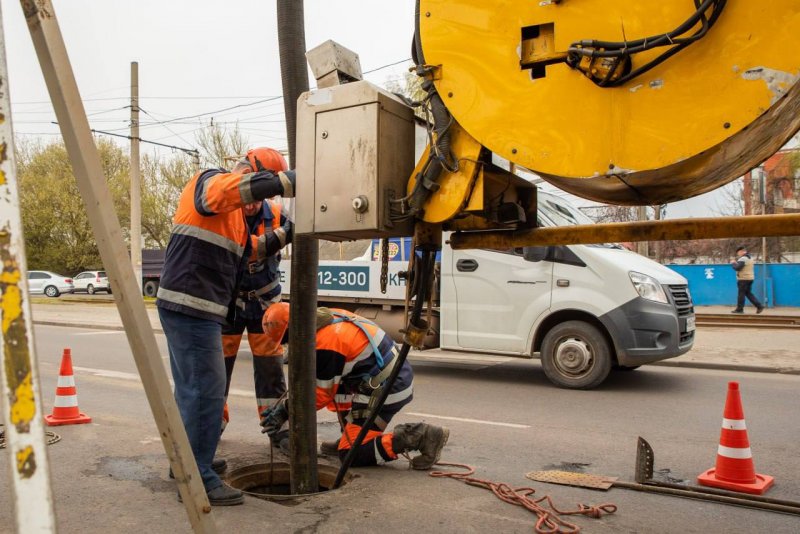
648, 287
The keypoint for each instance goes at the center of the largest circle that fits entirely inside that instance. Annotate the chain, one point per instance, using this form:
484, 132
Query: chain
384, 264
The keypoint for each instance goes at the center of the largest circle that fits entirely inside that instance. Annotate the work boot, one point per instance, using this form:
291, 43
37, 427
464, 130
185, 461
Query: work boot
329, 448
427, 439
223, 495
219, 465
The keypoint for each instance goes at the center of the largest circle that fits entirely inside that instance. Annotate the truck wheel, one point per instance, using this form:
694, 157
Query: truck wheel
150, 288
576, 355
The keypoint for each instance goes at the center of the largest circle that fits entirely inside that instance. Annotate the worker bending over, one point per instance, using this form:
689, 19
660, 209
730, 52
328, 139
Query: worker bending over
354, 359
270, 231
207, 251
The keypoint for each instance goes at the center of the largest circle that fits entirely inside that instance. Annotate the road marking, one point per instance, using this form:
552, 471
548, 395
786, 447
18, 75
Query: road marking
105, 373
99, 333
467, 420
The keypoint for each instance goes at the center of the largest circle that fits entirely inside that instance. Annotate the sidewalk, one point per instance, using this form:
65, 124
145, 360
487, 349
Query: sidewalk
744, 349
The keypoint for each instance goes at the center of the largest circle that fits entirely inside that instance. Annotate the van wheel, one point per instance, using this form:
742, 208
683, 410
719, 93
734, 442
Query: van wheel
576, 355
150, 288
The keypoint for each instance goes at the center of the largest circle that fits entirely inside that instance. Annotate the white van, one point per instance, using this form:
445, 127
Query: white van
582, 309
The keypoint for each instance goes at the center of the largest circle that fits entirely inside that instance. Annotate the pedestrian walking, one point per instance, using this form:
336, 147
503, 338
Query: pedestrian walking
745, 274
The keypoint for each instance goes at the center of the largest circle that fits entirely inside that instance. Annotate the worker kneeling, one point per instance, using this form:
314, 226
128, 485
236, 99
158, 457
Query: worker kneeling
354, 359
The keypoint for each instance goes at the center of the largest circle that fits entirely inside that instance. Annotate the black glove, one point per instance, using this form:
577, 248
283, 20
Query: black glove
288, 228
273, 418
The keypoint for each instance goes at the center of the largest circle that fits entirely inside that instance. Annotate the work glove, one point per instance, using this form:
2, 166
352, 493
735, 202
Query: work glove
288, 232
273, 418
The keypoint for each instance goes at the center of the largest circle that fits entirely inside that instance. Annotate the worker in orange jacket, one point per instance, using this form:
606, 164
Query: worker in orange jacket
207, 252
354, 359
270, 231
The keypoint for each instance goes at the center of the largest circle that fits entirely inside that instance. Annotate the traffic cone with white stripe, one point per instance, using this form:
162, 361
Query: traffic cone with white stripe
734, 469
65, 409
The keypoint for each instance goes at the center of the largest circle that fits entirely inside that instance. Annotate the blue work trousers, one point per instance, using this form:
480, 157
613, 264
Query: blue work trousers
198, 369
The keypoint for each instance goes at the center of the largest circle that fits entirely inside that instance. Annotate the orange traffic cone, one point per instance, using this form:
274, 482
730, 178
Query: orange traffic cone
735, 470
65, 409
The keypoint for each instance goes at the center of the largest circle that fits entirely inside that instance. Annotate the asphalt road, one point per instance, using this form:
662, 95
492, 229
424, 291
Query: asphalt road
505, 418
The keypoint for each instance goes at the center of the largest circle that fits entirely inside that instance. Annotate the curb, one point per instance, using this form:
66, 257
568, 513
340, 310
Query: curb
666, 363
731, 367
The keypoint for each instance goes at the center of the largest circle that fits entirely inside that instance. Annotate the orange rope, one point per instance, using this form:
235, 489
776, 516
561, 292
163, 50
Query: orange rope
548, 522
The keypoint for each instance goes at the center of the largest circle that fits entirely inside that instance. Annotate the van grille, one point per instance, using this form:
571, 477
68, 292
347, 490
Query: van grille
683, 303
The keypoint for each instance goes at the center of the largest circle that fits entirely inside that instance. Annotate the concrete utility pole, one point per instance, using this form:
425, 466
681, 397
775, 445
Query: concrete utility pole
31, 495
85, 159
136, 180
305, 259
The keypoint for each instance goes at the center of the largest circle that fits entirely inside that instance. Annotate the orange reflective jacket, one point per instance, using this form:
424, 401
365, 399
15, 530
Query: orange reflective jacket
210, 242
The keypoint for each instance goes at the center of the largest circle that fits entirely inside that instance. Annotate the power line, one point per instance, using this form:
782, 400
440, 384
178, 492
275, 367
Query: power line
164, 125
387, 66
190, 151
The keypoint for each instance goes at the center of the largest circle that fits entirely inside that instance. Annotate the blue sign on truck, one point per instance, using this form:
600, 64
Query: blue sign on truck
343, 277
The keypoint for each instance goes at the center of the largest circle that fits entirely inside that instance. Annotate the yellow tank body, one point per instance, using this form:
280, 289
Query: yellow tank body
701, 118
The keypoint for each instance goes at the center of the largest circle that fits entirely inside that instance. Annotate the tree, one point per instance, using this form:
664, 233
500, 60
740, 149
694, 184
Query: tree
58, 236
162, 183
218, 145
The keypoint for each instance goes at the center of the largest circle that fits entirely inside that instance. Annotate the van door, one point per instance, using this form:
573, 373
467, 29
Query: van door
499, 296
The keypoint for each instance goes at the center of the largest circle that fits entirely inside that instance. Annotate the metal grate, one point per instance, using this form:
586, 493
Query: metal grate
683, 303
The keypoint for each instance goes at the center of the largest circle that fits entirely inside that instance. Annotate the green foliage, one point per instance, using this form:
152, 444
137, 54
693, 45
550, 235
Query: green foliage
58, 236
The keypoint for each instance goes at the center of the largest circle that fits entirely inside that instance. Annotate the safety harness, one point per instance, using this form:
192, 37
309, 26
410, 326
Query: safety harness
384, 370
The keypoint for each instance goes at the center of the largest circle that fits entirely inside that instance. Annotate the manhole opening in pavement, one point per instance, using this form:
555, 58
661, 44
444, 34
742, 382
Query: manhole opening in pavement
272, 482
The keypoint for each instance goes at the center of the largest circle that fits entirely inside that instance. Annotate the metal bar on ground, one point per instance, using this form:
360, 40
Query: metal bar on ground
674, 229
303, 471
30, 489
86, 165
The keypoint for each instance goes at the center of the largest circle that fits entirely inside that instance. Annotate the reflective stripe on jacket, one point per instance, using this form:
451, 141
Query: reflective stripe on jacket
210, 242
345, 355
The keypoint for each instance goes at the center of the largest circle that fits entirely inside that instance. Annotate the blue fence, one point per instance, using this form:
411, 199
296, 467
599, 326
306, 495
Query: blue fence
715, 284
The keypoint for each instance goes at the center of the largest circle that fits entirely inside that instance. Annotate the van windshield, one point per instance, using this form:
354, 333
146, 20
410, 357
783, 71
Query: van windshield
553, 211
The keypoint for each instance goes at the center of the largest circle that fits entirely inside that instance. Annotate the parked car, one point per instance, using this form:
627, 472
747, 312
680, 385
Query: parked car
50, 284
92, 282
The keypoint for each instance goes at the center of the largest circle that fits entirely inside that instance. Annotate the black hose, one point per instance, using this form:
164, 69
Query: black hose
421, 284
305, 255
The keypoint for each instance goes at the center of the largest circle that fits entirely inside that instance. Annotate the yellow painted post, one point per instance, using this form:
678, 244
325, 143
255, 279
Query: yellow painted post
22, 401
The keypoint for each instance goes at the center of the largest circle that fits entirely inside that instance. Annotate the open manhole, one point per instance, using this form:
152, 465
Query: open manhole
271, 481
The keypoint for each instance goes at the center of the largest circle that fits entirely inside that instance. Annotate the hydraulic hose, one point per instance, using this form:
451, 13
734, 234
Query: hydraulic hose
304, 476
422, 282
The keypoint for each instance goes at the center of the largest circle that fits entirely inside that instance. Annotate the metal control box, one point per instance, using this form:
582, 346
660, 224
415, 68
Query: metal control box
355, 154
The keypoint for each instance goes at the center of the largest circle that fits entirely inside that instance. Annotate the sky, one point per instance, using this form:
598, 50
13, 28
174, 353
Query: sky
205, 57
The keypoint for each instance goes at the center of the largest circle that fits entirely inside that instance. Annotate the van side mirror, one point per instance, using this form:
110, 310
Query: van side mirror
535, 254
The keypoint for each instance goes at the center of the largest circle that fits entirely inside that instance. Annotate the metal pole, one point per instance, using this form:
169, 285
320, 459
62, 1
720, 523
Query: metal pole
31, 492
303, 471
666, 230
52, 54
136, 181
642, 246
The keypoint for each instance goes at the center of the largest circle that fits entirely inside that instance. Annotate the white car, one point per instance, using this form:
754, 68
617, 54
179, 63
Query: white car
50, 284
92, 282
